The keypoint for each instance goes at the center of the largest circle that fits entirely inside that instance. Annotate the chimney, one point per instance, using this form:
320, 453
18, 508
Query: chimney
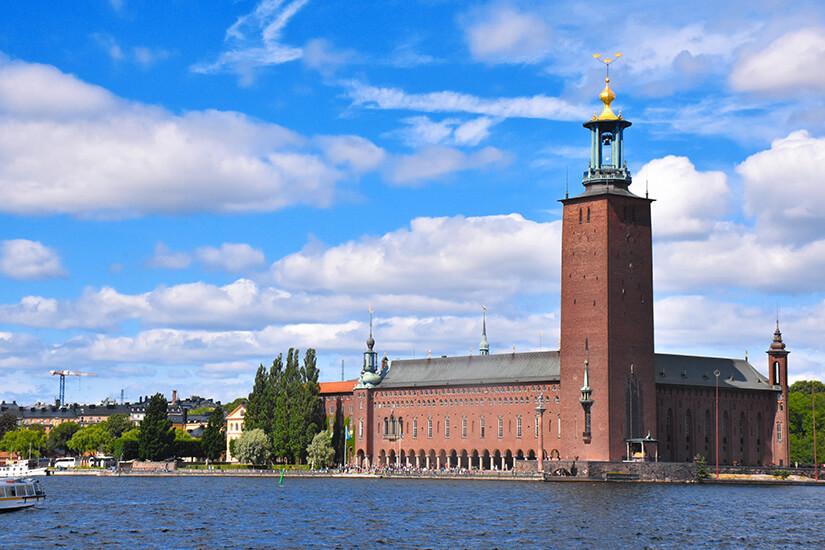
174, 396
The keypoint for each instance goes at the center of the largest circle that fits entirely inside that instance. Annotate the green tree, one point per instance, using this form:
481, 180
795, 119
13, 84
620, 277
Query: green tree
8, 422
258, 406
800, 418
338, 435
320, 450
252, 447
24, 441
187, 446
59, 437
126, 447
297, 443
156, 439
117, 424
308, 418
805, 386
213, 441
91, 439
232, 405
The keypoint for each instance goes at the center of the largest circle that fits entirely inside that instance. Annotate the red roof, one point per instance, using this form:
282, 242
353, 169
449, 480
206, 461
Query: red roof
337, 387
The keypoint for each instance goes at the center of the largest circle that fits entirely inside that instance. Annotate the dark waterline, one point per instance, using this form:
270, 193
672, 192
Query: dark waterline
104, 512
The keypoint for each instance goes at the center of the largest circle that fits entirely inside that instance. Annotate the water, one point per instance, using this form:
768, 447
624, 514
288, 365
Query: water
176, 512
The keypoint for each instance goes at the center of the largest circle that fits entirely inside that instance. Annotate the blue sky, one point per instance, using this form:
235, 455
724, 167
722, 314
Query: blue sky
188, 189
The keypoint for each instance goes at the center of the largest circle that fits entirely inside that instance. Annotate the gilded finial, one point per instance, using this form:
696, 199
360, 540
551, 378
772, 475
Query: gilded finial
607, 96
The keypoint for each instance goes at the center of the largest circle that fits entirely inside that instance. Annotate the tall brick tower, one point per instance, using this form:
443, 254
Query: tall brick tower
778, 369
606, 303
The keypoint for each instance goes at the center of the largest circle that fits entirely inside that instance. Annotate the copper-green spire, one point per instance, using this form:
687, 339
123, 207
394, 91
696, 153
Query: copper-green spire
484, 346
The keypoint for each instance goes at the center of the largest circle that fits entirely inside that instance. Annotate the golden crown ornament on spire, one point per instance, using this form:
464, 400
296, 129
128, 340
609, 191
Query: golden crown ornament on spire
607, 96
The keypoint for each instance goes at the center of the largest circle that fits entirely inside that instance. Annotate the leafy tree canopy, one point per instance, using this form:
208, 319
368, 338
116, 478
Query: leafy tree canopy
117, 424
213, 441
805, 386
156, 439
24, 441
252, 447
59, 437
232, 405
320, 451
91, 439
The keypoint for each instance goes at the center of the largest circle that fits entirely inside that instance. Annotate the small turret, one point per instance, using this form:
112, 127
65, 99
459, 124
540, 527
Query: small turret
370, 375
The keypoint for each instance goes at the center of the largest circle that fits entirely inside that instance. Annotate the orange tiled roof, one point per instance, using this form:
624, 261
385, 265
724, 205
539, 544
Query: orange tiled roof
337, 387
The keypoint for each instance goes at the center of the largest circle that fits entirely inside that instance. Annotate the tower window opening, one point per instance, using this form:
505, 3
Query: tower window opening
580, 215
588, 214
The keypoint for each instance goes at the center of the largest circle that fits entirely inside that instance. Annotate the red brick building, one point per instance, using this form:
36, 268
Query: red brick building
604, 395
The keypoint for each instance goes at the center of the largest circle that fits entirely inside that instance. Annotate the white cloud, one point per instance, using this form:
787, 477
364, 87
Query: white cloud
405, 57
789, 65
688, 202
147, 57
504, 35
732, 257
656, 50
783, 188
25, 260
357, 153
103, 309
455, 257
43, 91
321, 55
437, 162
254, 40
232, 258
109, 45
242, 304
423, 130
69, 147
538, 106
165, 258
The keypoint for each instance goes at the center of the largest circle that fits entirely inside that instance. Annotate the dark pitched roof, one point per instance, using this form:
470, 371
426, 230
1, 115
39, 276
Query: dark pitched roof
543, 366
690, 370
504, 368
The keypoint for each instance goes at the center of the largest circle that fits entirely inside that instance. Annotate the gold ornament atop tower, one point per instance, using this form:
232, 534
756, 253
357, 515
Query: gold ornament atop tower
607, 96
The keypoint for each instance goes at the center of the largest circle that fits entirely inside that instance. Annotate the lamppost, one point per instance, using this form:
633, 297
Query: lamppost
717, 373
540, 410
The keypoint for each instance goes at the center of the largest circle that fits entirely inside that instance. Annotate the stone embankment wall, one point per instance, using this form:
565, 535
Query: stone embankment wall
617, 471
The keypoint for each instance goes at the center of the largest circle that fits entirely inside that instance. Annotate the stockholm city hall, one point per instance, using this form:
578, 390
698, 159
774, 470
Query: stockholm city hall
605, 395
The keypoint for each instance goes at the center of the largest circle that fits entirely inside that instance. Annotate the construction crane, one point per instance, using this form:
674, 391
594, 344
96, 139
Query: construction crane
63, 374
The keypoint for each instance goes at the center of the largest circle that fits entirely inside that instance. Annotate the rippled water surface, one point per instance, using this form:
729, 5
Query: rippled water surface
104, 512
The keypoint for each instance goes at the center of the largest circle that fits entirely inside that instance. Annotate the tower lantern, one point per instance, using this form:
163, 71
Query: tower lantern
607, 165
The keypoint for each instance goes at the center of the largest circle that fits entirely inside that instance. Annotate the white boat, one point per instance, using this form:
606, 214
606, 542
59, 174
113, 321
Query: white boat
20, 493
24, 468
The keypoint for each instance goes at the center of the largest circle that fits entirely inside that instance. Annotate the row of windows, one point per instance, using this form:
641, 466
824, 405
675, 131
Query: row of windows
395, 427
446, 391
462, 402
